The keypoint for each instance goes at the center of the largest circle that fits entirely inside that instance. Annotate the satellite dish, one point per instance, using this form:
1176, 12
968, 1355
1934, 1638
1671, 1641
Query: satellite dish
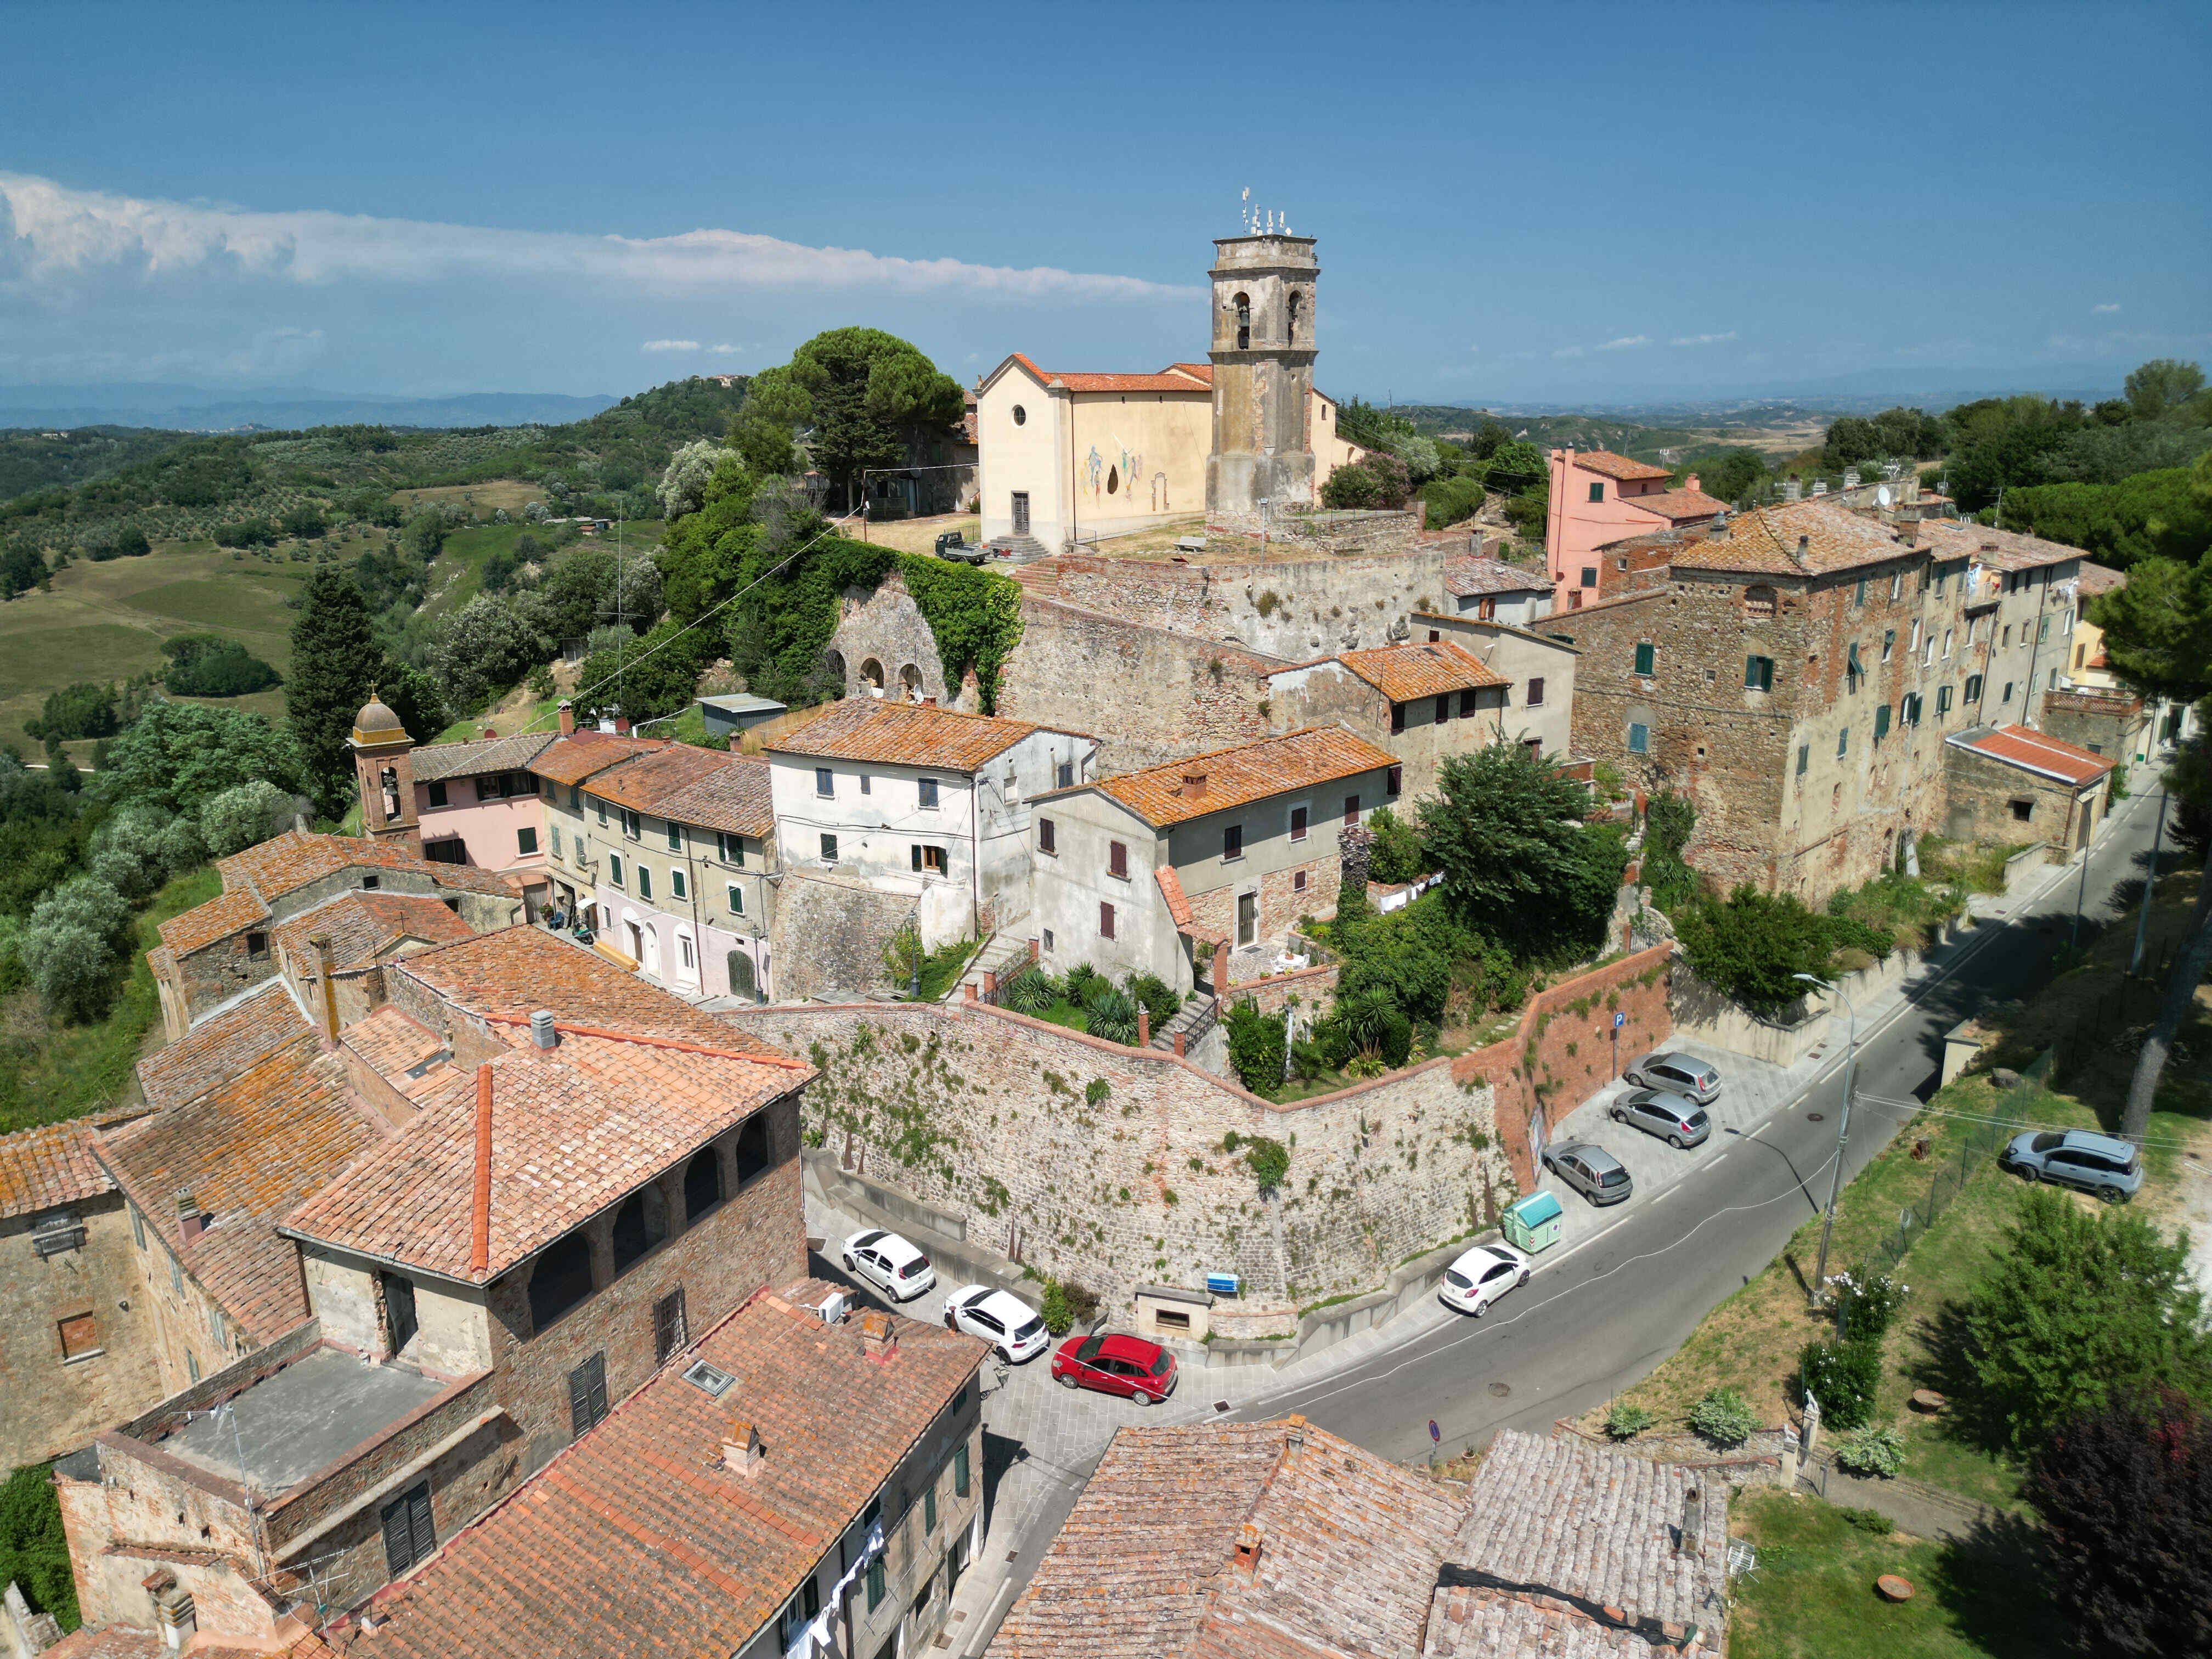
1881, 496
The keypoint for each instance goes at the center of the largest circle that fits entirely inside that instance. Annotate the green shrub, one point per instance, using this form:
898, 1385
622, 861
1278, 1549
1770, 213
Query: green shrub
1399, 855
1869, 1521
1268, 1160
1724, 1418
1871, 1448
1057, 1318
1154, 993
33, 1552
1256, 1049
1112, 1015
1627, 1419
1031, 991
1843, 1376
209, 665
1866, 1309
1078, 981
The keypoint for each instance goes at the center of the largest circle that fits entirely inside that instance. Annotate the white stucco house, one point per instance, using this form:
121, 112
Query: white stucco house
921, 800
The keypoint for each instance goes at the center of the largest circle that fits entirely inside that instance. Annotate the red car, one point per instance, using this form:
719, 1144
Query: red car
1113, 1364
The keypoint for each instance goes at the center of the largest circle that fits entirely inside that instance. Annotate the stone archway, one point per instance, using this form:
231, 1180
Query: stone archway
910, 686
871, 678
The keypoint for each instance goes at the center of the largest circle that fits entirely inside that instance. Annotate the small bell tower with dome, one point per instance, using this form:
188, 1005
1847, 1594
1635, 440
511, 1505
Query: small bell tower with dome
385, 776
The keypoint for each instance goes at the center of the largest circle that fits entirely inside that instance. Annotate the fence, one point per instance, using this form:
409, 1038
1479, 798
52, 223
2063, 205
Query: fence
1948, 1180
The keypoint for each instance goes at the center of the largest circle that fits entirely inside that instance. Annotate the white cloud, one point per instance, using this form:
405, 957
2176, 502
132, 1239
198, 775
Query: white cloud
727, 350
2103, 311
63, 235
1702, 339
1625, 342
670, 345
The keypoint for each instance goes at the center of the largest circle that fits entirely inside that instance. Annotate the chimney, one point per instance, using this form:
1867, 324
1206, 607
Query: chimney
320, 943
1694, 1524
1193, 785
741, 1449
179, 1619
622, 726
1795, 489
878, 1339
1247, 1550
567, 717
929, 702
1989, 547
489, 733
191, 1220
480, 1210
541, 1029
1690, 483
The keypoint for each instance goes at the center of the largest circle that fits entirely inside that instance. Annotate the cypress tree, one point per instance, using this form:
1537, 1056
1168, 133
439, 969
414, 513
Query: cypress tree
335, 657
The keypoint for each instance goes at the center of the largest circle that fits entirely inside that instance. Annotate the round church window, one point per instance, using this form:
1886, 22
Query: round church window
1021, 416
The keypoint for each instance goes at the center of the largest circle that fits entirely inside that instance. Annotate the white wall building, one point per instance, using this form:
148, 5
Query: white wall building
920, 800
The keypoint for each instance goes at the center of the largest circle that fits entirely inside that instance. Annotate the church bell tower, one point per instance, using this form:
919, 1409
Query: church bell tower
1263, 358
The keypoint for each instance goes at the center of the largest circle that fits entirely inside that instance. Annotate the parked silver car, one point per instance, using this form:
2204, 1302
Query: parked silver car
1590, 1169
1676, 1119
2075, 1158
1678, 1073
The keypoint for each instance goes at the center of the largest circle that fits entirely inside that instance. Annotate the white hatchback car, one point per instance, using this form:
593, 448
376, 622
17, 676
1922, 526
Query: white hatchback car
892, 1265
1480, 1276
1004, 1320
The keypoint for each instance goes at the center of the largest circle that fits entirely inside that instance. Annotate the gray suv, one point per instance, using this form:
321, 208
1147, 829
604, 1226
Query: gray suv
1678, 1073
1676, 1120
2075, 1158
1590, 1169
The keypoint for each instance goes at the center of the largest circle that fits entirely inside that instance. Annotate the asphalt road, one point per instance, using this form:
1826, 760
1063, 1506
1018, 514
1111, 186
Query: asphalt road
1598, 1320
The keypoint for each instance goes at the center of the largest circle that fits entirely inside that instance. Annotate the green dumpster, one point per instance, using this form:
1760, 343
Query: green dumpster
1532, 1223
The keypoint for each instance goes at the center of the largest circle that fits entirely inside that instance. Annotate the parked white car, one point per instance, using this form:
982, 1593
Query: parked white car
1482, 1275
893, 1265
1001, 1319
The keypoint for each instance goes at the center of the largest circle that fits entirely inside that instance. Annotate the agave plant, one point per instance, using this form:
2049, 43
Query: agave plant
1031, 991
1112, 1015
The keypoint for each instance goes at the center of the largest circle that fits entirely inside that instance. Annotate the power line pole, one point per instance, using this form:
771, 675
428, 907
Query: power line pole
2150, 886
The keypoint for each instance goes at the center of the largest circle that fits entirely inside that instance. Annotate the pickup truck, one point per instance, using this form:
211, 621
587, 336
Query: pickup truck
955, 546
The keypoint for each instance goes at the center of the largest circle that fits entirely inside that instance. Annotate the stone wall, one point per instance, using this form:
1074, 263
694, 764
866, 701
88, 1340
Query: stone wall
1106, 1164
828, 935
884, 640
2112, 724
1985, 798
54, 1405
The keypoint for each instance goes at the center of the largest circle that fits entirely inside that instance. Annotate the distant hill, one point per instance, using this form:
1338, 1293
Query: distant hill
196, 408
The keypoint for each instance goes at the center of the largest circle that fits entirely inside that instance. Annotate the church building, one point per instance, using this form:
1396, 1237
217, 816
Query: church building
1069, 456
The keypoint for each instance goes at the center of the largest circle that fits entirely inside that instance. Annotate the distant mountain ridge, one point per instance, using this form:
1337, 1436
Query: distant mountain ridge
198, 409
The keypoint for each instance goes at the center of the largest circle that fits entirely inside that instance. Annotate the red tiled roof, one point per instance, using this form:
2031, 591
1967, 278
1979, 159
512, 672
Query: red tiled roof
2037, 751
578, 755
1681, 506
574, 1128
47, 1166
1171, 890
645, 781
1178, 377
1197, 371
247, 1151
1243, 774
1403, 672
1350, 1550
903, 734
1993, 549
407, 1055
634, 1542
2097, 579
220, 1046
114, 1641
1604, 462
734, 798
291, 860
219, 918
477, 756
1768, 538
363, 926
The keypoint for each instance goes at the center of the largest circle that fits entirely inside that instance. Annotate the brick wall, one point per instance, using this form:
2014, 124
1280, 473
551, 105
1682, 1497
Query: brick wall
1111, 1159
52, 1405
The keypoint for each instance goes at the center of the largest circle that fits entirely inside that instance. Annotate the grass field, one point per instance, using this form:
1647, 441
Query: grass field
457, 576
1812, 1594
107, 622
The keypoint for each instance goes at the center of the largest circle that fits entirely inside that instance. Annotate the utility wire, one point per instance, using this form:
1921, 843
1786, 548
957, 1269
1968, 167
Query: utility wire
1914, 1109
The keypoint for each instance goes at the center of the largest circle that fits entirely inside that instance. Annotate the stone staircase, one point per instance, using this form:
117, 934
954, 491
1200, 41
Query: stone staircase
1002, 955
1192, 1021
1016, 547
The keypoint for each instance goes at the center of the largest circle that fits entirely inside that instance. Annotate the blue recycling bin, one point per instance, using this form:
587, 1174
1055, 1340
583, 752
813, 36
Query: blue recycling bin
1221, 1284
1531, 1224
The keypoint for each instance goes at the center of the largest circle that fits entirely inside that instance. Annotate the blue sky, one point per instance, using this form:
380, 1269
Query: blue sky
1513, 203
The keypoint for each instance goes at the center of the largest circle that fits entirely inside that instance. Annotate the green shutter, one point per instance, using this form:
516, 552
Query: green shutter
1644, 655
1881, 722
1751, 674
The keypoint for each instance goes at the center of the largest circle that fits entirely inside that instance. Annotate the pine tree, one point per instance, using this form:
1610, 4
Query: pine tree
335, 657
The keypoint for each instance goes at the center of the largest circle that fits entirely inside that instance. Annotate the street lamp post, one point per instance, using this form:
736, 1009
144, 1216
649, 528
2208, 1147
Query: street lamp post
1843, 1129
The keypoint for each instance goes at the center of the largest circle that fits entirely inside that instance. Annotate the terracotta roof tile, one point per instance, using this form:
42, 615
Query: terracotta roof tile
247, 1151
291, 860
407, 1055
646, 782
734, 797
1171, 890
634, 1543
1177, 377
2035, 751
1472, 574
1607, 464
903, 734
220, 1046
1767, 539
1403, 672
114, 1641
1246, 773
1467, 1621
578, 755
478, 755
1350, 1548
46, 1166
219, 918
1993, 549
1680, 505
2097, 579
363, 926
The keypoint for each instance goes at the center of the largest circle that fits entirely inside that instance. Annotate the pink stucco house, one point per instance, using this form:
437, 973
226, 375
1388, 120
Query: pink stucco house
1598, 498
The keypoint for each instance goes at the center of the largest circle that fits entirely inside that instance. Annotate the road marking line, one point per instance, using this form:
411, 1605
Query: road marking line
1664, 1196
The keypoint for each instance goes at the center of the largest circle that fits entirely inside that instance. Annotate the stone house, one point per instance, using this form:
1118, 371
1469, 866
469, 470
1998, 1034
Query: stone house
76, 1347
1492, 591
563, 768
1421, 702
2011, 785
801, 1486
1281, 1538
1537, 670
923, 803
1794, 670
2113, 723
405, 1308
1163, 871
214, 951
675, 852
1597, 498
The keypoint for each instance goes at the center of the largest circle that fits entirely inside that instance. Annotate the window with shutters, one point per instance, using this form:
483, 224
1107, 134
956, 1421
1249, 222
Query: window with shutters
192, 1365
1393, 781
1047, 837
1881, 722
1758, 673
1639, 737
1117, 860
644, 882
960, 1470
600, 807
1888, 642
1974, 687
137, 1227
1233, 841
408, 1534
929, 1510
1397, 717
1942, 700
1535, 699
1298, 823
1443, 709
1645, 654
1804, 757
877, 1583
825, 781
668, 1334
736, 898
1843, 742
614, 868
80, 1337
828, 848
438, 793
675, 884
1350, 811
587, 1395
675, 836
1105, 920
1466, 702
